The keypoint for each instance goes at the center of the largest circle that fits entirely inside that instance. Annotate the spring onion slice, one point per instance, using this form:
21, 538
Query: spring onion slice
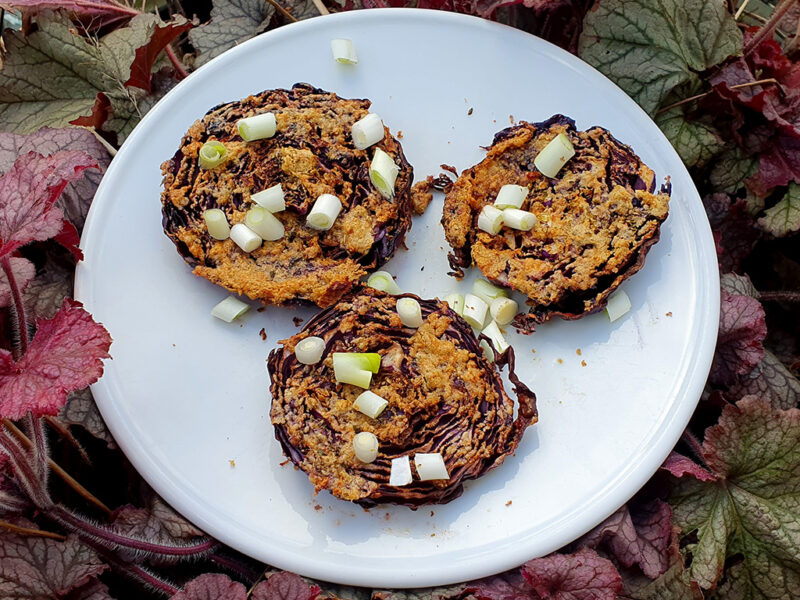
383, 281
490, 219
410, 312
554, 156
383, 173
511, 196
456, 302
488, 352
217, 224
367, 131
344, 51
492, 331
475, 310
257, 127
503, 310
247, 239
308, 351
365, 446
430, 466
618, 305
519, 219
212, 154
230, 308
370, 404
324, 212
401, 471
264, 223
488, 292
366, 361
270, 198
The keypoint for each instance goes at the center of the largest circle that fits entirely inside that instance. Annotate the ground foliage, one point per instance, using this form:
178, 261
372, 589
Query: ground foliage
722, 517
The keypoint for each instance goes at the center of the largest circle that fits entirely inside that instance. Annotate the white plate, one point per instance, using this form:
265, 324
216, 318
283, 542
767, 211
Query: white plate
186, 394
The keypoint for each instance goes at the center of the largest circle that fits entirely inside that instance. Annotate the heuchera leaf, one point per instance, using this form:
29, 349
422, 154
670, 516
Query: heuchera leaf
506, 586
46, 293
739, 342
157, 523
784, 217
94, 14
95, 590
738, 285
232, 22
636, 534
36, 567
752, 508
450, 592
23, 271
673, 584
730, 169
285, 586
649, 48
145, 56
81, 409
680, 465
772, 381
584, 575
212, 586
65, 354
28, 191
734, 231
696, 141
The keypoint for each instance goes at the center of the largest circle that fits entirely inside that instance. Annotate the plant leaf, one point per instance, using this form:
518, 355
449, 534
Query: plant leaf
232, 22
738, 285
733, 227
739, 342
649, 48
94, 14
450, 592
28, 191
730, 170
752, 508
584, 575
145, 55
78, 195
46, 293
65, 354
673, 584
679, 465
212, 586
23, 270
80, 409
784, 217
285, 586
33, 568
95, 590
696, 141
770, 380
510, 585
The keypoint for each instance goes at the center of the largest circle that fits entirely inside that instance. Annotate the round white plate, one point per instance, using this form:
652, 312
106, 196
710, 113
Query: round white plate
186, 396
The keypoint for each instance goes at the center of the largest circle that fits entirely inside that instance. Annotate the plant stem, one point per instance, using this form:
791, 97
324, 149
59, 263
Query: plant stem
66, 434
283, 11
65, 477
779, 296
32, 532
24, 472
40, 455
694, 444
323, 10
766, 31
704, 94
175, 62
234, 566
740, 10
137, 573
19, 307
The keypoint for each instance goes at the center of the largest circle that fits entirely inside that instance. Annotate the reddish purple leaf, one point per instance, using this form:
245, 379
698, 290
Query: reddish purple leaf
146, 55
28, 191
95, 590
734, 230
285, 586
94, 14
212, 586
636, 535
739, 343
65, 354
69, 238
101, 109
506, 586
23, 271
680, 465
584, 575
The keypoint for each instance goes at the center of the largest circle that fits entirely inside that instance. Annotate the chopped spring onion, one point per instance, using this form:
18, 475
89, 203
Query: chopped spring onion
383, 173
371, 361
355, 368
383, 281
365, 446
264, 223
487, 350
456, 302
618, 305
344, 51
475, 310
488, 292
367, 131
229, 309
490, 219
308, 351
324, 212
212, 154
247, 239
511, 196
270, 198
554, 156
519, 219
401, 471
217, 224
257, 127
410, 312
503, 310
370, 404
492, 331
430, 466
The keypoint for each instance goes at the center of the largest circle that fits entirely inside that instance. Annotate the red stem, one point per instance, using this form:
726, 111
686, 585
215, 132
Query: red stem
234, 566
768, 27
779, 296
40, 454
694, 444
106, 7
24, 471
137, 573
175, 62
19, 307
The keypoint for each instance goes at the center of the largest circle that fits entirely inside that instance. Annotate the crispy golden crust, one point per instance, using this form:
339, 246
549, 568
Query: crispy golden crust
444, 396
595, 220
311, 154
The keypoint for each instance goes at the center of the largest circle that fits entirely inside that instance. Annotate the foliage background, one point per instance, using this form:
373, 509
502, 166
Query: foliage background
721, 519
